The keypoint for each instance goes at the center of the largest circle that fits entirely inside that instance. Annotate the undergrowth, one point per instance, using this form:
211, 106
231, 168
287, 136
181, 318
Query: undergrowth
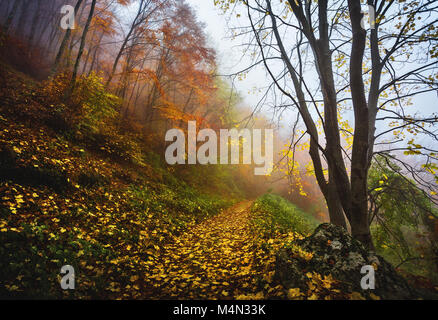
77, 188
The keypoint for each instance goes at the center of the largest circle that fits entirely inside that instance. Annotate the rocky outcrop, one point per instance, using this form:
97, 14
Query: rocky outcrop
335, 252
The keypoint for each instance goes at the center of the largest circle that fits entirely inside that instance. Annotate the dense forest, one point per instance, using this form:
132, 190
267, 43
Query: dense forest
95, 96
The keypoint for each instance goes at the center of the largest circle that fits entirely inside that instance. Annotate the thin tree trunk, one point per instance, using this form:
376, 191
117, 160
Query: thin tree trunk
93, 61
125, 42
11, 16
21, 24
64, 41
34, 23
329, 189
87, 57
81, 48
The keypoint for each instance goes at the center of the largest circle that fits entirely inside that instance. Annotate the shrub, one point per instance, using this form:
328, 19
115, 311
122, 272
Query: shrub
98, 108
90, 109
404, 220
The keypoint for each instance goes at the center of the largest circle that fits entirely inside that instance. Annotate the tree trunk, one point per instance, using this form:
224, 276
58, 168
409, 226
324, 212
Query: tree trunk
336, 187
64, 41
93, 61
81, 48
334, 205
21, 21
87, 57
11, 16
359, 162
34, 25
134, 25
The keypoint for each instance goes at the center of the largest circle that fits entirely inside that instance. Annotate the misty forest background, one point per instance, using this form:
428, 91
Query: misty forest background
84, 182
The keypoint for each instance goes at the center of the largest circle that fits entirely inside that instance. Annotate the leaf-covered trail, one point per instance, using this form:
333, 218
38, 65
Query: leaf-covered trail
213, 260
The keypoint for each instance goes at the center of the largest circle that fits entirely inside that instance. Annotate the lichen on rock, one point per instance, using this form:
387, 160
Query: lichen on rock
337, 254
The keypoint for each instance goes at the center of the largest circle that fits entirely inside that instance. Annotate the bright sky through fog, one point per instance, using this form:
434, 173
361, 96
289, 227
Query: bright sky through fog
230, 60
229, 54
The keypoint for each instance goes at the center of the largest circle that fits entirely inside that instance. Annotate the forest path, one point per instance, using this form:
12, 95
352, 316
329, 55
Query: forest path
213, 260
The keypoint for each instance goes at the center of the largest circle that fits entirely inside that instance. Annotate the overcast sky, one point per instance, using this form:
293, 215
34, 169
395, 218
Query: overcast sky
230, 60
229, 54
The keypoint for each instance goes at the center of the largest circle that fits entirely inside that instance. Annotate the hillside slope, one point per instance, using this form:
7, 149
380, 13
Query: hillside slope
102, 203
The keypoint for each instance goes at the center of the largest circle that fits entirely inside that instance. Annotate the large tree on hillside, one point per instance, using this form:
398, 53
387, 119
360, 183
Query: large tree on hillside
322, 61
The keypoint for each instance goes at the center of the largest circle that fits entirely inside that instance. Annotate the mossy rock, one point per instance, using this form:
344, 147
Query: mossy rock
335, 252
